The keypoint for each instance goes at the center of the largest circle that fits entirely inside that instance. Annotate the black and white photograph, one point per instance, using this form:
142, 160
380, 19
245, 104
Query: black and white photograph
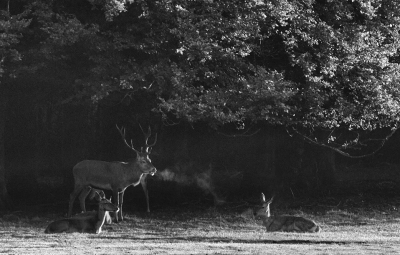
199, 127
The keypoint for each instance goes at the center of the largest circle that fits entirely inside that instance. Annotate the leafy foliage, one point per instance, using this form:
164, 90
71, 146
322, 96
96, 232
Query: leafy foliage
316, 63
11, 27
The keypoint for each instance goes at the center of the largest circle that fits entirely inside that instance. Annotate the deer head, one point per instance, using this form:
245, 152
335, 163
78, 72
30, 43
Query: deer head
106, 205
97, 194
142, 157
264, 210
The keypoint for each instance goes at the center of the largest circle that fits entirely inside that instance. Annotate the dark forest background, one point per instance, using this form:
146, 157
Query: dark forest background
295, 98
194, 162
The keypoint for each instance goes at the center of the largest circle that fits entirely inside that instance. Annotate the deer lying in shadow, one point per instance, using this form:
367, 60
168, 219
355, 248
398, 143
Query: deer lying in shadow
285, 223
89, 222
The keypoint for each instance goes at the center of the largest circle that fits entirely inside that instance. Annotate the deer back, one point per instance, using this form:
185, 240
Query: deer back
106, 175
289, 223
83, 225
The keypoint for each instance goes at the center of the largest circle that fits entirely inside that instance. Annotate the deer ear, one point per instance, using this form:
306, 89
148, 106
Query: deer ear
102, 194
272, 199
262, 197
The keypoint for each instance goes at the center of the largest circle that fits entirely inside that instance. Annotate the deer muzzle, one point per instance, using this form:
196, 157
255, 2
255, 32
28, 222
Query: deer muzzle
153, 171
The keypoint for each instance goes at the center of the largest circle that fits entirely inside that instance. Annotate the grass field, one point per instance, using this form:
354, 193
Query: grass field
207, 231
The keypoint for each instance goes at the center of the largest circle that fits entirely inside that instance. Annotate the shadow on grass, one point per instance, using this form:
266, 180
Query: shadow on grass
230, 240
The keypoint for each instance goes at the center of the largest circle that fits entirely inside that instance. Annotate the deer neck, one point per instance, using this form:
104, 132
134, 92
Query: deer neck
101, 215
135, 183
132, 170
266, 216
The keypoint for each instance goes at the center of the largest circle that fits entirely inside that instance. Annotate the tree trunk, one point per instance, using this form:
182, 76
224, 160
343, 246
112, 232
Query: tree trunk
269, 157
4, 198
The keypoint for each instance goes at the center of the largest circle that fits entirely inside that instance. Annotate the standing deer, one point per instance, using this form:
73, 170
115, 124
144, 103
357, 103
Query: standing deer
285, 223
115, 176
90, 222
92, 193
89, 191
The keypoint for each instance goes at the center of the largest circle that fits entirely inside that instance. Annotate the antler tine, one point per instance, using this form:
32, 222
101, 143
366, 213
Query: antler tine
147, 136
133, 148
154, 143
122, 131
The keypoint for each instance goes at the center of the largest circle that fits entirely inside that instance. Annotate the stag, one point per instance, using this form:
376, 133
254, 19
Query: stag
114, 176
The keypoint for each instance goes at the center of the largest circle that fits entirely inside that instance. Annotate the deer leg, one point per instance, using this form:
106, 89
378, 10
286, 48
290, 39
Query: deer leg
82, 197
72, 198
100, 222
143, 181
121, 201
116, 202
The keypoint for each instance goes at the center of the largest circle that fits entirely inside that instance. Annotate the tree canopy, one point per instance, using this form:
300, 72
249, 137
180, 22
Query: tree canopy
315, 63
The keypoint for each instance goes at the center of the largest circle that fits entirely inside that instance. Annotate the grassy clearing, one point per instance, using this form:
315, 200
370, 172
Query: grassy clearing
211, 231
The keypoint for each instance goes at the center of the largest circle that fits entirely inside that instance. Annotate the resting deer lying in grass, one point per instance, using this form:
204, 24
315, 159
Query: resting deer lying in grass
89, 222
92, 193
285, 223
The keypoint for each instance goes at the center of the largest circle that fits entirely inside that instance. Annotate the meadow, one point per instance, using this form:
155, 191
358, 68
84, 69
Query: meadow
346, 229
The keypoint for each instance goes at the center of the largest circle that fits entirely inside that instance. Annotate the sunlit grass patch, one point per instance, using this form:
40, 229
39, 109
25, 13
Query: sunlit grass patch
190, 231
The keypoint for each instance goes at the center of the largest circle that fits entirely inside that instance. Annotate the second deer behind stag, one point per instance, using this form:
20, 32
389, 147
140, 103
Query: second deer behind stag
96, 194
285, 223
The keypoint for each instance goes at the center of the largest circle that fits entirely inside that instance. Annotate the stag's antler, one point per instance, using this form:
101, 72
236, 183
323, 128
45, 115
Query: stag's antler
123, 134
147, 136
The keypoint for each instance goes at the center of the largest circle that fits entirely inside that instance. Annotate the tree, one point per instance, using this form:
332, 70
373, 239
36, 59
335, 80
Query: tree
31, 31
11, 27
316, 65
318, 68
313, 65
303, 65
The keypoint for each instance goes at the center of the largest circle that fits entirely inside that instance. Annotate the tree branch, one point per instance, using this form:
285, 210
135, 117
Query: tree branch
340, 151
